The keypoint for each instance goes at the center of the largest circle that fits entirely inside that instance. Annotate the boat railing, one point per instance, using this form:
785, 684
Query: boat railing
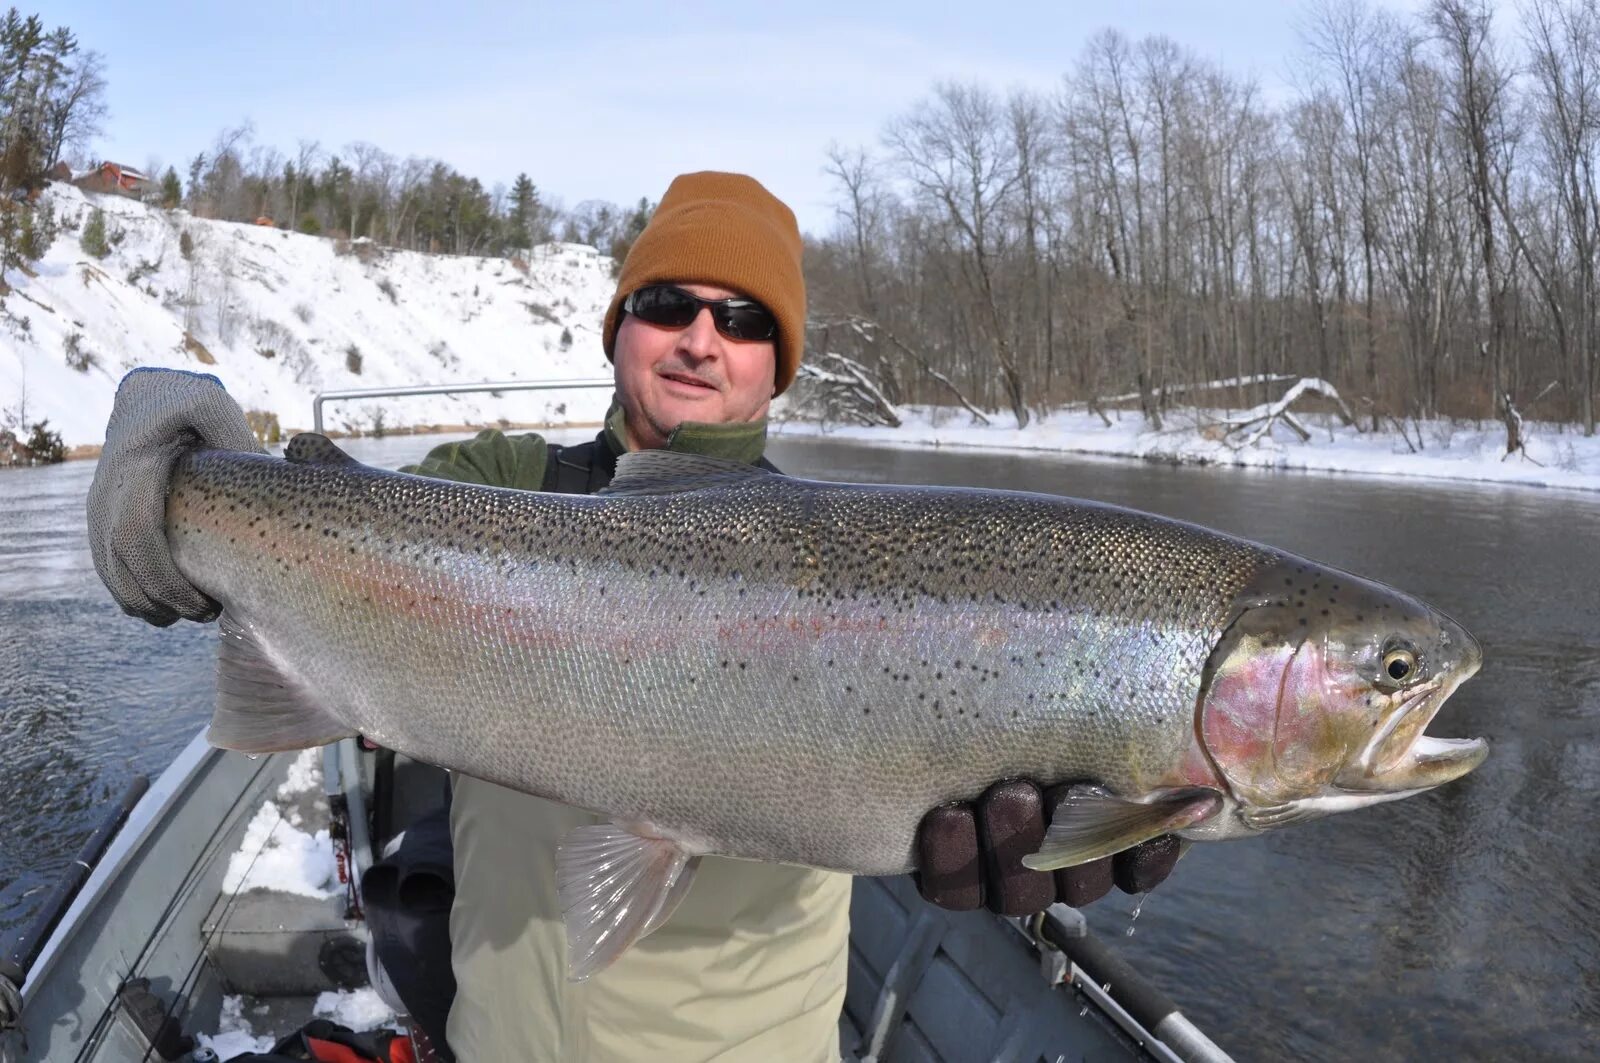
448, 389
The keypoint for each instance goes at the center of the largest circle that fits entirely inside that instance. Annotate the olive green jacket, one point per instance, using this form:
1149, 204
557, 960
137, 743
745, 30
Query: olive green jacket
495, 459
750, 966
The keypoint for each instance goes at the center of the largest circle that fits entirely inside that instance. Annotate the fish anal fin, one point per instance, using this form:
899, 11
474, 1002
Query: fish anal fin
259, 709
615, 887
1089, 822
665, 472
313, 448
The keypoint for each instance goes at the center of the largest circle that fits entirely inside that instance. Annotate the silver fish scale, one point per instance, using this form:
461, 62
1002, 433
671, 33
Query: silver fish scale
775, 669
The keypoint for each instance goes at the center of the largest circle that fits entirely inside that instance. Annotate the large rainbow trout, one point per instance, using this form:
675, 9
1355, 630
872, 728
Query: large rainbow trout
722, 660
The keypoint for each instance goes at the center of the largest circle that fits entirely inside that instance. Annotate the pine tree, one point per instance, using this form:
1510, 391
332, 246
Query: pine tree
93, 239
197, 166
39, 230
524, 205
171, 189
335, 191
10, 240
628, 231
50, 94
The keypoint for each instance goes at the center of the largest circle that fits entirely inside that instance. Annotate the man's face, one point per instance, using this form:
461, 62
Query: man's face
666, 376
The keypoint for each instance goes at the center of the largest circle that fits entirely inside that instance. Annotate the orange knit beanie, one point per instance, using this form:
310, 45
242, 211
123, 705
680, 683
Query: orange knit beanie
723, 229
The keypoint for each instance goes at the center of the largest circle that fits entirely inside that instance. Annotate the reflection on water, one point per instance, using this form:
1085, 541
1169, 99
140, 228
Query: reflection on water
1459, 924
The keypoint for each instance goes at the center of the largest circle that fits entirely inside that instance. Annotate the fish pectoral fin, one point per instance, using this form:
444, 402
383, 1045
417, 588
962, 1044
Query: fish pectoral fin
615, 887
1090, 822
313, 448
259, 709
665, 472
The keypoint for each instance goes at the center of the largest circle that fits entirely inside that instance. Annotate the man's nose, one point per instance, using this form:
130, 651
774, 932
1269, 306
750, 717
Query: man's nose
700, 338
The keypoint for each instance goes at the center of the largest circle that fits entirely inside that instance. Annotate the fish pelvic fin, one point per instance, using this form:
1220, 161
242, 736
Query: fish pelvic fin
312, 448
259, 709
1089, 822
666, 472
615, 887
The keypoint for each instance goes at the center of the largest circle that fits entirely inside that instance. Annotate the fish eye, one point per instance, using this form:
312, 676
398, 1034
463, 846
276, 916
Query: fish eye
1400, 665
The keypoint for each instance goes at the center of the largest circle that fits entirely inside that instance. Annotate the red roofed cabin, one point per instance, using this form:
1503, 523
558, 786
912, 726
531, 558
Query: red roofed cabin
114, 177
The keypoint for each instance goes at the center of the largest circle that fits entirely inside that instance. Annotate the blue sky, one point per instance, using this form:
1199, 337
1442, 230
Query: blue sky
601, 99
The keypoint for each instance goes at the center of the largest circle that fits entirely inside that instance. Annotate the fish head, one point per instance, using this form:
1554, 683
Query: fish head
1316, 697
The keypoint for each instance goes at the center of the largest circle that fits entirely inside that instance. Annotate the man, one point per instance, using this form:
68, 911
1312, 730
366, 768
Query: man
705, 329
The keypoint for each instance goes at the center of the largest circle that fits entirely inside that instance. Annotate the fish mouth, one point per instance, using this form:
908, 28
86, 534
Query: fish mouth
1401, 757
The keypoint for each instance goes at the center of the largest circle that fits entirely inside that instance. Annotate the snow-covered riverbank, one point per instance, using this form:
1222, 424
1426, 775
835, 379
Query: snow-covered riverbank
1557, 455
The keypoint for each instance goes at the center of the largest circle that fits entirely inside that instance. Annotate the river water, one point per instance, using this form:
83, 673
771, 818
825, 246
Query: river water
1464, 923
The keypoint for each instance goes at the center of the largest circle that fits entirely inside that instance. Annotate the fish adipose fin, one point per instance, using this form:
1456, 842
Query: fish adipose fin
666, 472
615, 887
310, 448
259, 709
1090, 822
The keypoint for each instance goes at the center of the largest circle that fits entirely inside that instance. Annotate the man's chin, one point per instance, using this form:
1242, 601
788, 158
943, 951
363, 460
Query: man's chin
674, 410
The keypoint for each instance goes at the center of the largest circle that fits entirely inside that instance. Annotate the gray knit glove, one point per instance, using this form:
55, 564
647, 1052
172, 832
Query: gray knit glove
157, 415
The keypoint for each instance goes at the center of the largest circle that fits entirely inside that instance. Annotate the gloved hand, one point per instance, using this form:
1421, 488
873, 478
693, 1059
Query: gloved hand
157, 415
970, 855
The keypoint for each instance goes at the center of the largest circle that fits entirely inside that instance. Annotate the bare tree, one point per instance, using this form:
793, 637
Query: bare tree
953, 149
1475, 106
859, 211
74, 110
368, 161
404, 182
1563, 42
1348, 37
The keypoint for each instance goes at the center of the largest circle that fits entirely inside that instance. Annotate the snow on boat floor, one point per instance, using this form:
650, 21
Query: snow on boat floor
288, 850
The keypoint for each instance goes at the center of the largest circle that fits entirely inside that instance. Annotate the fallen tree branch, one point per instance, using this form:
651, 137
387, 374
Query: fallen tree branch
1249, 427
1208, 385
869, 332
844, 380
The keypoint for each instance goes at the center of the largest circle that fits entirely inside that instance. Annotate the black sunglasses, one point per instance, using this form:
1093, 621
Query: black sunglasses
672, 307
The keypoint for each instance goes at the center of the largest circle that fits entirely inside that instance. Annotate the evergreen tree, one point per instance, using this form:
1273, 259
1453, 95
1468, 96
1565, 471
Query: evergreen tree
39, 231
524, 205
93, 239
26, 233
197, 166
51, 94
632, 225
46, 444
10, 241
171, 189
336, 191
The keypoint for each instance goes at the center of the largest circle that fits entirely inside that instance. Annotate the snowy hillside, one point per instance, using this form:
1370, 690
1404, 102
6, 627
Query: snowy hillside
281, 316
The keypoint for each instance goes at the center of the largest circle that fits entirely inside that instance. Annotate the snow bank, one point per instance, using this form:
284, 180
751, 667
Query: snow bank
275, 316
1557, 455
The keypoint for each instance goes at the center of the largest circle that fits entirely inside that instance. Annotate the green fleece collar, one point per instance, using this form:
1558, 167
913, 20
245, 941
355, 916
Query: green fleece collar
740, 441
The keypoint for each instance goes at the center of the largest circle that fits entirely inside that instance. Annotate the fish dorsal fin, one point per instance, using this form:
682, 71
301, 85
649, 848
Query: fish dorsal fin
1089, 822
259, 709
665, 472
615, 887
311, 448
